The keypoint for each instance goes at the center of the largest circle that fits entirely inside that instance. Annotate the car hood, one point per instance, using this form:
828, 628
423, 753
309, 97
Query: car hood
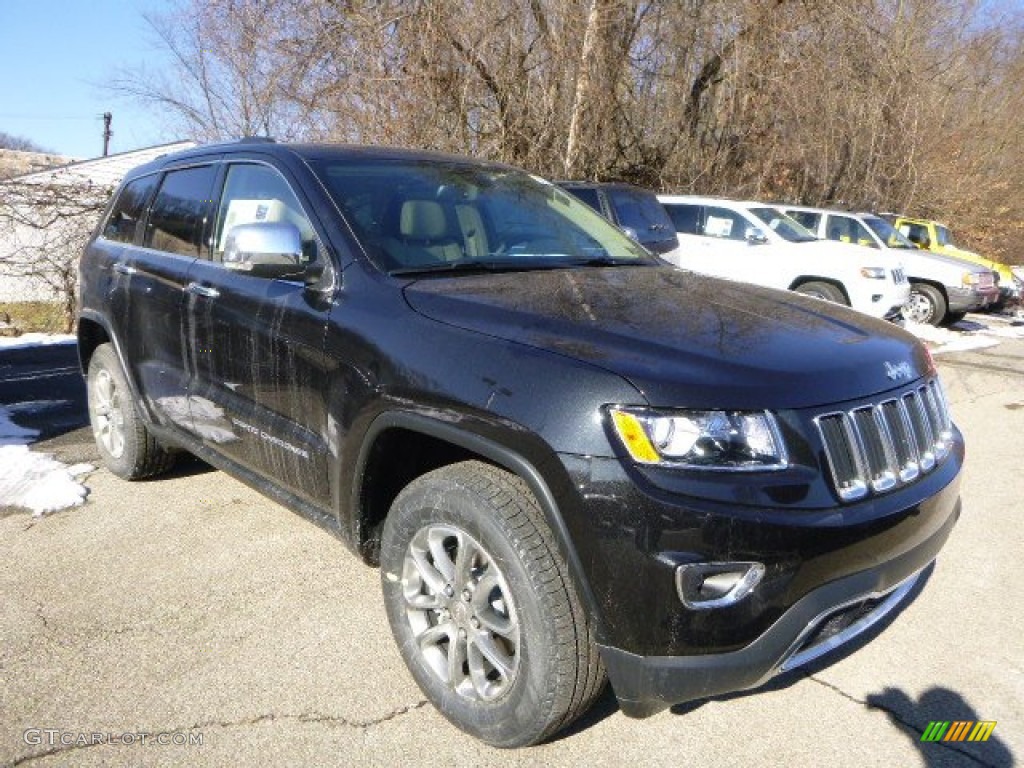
852, 254
684, 339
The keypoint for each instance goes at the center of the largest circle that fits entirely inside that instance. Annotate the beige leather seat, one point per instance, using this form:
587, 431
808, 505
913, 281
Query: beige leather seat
421, 235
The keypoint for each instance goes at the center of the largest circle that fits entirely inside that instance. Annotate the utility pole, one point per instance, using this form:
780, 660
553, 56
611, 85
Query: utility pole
107, 133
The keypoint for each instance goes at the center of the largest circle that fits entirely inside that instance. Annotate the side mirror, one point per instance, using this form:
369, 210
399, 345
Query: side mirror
265, 249
631, 234
754, 236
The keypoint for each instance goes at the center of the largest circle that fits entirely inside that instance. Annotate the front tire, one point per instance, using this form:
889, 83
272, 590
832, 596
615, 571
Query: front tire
482, 607
926, 305
125, 445
824, 291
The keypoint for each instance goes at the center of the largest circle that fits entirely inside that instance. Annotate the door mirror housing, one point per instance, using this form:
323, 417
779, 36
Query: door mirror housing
265, 249
755, 236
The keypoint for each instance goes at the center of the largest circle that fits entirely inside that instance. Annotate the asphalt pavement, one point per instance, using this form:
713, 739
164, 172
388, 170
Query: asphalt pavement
191, 610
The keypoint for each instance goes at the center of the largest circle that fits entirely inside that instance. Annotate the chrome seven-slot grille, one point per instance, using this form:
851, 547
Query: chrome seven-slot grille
881, 446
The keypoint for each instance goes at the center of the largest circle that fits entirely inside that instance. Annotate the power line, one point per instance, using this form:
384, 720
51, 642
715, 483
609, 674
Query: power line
14, 116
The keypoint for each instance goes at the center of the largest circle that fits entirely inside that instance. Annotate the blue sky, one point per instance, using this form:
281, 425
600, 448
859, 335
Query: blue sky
54, 55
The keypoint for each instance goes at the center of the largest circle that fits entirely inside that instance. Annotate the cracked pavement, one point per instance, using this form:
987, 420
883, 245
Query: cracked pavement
193, 605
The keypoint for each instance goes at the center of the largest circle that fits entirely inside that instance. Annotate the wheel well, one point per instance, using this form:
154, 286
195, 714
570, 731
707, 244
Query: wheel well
813, 279
936, 285
90, 335
398, 456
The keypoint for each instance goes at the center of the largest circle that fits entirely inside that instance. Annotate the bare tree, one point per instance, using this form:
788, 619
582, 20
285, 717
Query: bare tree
43, 229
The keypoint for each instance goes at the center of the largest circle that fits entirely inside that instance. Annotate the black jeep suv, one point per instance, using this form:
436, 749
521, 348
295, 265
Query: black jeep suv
570, 460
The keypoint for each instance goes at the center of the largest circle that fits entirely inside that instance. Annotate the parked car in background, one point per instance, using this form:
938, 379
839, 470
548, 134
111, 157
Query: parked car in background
633, 209
934, 236
942, 289
759, 244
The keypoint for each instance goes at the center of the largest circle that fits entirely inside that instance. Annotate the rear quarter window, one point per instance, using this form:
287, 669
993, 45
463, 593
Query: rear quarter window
128, 210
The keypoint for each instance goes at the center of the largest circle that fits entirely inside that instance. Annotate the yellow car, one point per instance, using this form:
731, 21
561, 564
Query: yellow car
934, 236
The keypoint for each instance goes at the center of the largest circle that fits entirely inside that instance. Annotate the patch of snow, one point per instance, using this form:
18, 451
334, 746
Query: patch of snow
35, 340
38, 482
942, 340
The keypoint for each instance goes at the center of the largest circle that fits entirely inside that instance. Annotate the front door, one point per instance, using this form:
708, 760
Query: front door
255, 345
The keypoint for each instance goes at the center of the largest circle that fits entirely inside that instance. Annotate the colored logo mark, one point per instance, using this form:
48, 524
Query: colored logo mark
958, 730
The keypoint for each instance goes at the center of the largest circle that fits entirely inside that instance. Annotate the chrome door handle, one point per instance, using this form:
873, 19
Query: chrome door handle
202, 290
125, 269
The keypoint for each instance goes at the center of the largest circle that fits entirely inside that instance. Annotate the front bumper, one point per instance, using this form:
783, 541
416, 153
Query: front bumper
970, 299
819, 623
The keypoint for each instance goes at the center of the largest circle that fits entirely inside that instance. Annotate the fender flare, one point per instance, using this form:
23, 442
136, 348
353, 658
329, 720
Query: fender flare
504, 457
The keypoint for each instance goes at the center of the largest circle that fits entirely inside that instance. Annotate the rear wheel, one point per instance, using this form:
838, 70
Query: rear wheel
482, 607
824, 291
124, 443
926, 305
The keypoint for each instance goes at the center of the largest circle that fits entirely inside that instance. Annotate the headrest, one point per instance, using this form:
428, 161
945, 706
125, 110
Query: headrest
422, 220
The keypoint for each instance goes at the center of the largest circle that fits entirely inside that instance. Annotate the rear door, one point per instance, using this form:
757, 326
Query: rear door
256, 344
150, 269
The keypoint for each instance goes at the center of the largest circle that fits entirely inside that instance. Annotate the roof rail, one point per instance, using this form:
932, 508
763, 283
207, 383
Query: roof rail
257, 140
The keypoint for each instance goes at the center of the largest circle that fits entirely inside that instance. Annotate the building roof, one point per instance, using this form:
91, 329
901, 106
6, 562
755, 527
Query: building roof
101, 171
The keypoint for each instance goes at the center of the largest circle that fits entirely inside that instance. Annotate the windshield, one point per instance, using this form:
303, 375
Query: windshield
436, 216
888, 233
785, 227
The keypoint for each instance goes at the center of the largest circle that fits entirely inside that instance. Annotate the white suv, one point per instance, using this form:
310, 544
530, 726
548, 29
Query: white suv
756, 243
942, 288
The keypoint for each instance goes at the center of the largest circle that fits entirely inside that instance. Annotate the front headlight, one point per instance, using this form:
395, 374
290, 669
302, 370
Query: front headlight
874, 273
714, 440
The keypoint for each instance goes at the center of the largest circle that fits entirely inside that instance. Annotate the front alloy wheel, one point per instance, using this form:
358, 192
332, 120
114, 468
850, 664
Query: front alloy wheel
482, 606
460, 610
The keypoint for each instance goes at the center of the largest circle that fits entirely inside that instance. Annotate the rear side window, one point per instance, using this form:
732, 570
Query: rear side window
180, 212
686, 218
809, 219
128, 210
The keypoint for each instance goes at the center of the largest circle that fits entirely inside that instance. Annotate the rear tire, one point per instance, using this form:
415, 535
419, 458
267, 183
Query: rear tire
125, 445
926, 305
824, 291
952, 318
482, 607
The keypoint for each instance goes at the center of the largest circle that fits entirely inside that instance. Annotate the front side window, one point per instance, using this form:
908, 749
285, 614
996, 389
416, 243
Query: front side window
641, 211
255, 194
180, 213
887, 232
129, 209
725, 224
785, 227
